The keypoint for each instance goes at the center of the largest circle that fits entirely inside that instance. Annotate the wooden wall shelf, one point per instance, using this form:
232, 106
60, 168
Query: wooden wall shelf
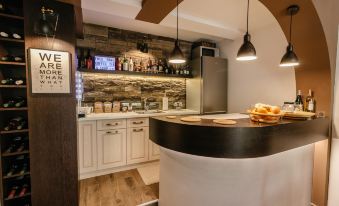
13, 63
135, 73
14, 131
13, 86
15, 153
14, 109
10, 16
12, 40
16, 175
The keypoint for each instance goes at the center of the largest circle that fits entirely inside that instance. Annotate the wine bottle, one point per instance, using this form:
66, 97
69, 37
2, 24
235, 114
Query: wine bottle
155, 67
9, 104
18, 59
21, 147
13, 169
2, 6
117, 64
16, 123
11, 148
24, 190
20, 103
4, 34
12, 192
24, 169
82, 59
160, 66
89, 60
20, 81
7, 58
299, 105
15, 35
309, 105
7, 81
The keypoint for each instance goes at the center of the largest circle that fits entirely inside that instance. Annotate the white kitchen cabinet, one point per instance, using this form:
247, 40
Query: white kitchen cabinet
154, 151
111, 148
87, 146
111, 124
137, 145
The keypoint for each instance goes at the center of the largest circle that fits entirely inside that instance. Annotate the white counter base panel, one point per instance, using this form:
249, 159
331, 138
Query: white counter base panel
278, 180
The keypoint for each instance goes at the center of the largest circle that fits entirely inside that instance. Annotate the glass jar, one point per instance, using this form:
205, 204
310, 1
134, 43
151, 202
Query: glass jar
288, 107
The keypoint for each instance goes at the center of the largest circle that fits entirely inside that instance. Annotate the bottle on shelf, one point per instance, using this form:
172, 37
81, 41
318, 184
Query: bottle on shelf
117, 64
89, 60
299, 104
149, 65
310, 102
15, 102
125, 64
13, 170
160, 66
23, 190
24, 169
20, 81
155, 67
17, 123
12, 192
7, 58
2, 6
130, 65
82, 59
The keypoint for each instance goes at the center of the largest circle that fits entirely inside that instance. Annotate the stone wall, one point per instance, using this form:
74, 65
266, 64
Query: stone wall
108, 87
116, 42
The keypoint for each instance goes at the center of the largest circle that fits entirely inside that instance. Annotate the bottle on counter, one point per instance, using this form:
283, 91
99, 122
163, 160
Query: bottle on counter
130, 65
299, 104
89, 60
125, 64
165, 102
309, 102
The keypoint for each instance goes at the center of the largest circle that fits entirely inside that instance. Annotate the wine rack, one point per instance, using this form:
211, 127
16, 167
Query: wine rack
14, 141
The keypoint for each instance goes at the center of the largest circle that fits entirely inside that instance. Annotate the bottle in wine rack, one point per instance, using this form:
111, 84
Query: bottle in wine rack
4, 34
24, 169
17, 123
20, 81
2, 6
13, 169
9, 104
7, 81
23, 190
11, 148
12, 192
7, 58
20, 102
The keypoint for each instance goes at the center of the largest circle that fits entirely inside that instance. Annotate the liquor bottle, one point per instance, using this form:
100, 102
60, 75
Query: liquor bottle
82, 60
125, 64
117, 64
130, 65
149, 65
12, 192
160, 66
155, 67
309, 105
89, 60
299, 105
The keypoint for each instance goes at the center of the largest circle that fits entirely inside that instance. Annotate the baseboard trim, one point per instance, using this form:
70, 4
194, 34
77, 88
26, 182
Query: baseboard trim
116, 169
150, 203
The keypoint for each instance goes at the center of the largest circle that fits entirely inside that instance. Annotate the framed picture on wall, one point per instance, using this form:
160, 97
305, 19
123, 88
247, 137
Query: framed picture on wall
49, 71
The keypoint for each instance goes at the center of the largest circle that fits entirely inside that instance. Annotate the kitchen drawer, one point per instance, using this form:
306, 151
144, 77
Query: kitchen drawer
137, 122
111, 124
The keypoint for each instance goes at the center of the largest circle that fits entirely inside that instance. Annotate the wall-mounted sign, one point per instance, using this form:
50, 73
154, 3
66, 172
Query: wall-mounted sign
104, 63
49, 71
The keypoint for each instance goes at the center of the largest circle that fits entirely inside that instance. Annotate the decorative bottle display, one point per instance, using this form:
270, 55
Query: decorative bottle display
299, 105
309, 102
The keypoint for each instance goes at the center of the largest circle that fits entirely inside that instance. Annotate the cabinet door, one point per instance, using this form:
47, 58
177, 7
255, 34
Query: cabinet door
87, 146
137, 145
111, 148
154, 151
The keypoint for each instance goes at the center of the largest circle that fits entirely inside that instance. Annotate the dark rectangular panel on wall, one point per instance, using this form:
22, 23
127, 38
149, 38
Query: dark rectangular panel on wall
52, 118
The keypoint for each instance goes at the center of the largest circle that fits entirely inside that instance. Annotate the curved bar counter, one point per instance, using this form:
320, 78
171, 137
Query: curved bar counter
248, 163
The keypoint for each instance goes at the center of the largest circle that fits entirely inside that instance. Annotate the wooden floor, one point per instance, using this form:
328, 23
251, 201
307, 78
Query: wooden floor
118, 189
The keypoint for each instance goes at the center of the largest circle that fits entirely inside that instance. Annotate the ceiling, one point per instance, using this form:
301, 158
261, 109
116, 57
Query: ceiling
224, 19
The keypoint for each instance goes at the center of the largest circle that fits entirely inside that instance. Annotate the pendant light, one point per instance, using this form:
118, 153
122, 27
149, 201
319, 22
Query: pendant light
290, 59
247, 51
177, 57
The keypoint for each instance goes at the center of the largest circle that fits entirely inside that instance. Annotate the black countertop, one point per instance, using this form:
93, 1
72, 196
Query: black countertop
246, 139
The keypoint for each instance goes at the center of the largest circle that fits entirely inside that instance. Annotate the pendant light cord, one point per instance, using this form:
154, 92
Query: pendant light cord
291, 21
248, 9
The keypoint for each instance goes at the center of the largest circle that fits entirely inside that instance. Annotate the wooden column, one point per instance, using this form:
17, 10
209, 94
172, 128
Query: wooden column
52, 118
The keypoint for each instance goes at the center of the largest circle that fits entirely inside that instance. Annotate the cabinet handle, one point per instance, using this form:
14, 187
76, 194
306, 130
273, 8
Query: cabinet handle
109, 132
138, 130
138, 122
115, 124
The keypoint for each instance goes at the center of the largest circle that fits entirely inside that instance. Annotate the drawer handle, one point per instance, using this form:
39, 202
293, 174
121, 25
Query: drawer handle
109, 132
138, 122
138, 130
115, 124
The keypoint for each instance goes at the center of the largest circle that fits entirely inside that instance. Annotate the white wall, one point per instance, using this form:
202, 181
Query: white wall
261, 80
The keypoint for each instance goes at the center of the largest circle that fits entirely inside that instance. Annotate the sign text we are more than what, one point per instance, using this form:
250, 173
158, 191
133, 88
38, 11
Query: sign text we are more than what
50, 71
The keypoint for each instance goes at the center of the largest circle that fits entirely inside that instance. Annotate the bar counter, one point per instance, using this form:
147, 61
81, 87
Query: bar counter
247, 163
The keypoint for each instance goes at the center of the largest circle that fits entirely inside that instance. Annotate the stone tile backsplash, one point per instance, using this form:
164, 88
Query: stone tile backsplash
125, 88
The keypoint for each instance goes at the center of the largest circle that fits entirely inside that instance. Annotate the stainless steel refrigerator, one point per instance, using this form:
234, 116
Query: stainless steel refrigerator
207, 90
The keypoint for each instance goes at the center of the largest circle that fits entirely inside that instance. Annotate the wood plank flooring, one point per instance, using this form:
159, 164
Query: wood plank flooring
119, 189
